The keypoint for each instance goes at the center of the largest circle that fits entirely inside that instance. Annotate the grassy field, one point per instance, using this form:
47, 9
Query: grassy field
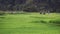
29, 23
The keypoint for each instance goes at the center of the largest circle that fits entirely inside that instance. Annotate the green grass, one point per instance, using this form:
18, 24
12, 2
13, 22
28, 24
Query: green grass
29, 23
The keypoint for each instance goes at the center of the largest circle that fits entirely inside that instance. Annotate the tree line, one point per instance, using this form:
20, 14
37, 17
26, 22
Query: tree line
30, 5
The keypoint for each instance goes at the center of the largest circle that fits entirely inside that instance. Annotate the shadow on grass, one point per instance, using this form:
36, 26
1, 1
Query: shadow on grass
2, 18
41, 21
51, 22
56, 22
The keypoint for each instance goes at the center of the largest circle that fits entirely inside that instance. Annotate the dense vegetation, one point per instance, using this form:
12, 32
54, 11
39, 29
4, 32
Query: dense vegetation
30, 5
